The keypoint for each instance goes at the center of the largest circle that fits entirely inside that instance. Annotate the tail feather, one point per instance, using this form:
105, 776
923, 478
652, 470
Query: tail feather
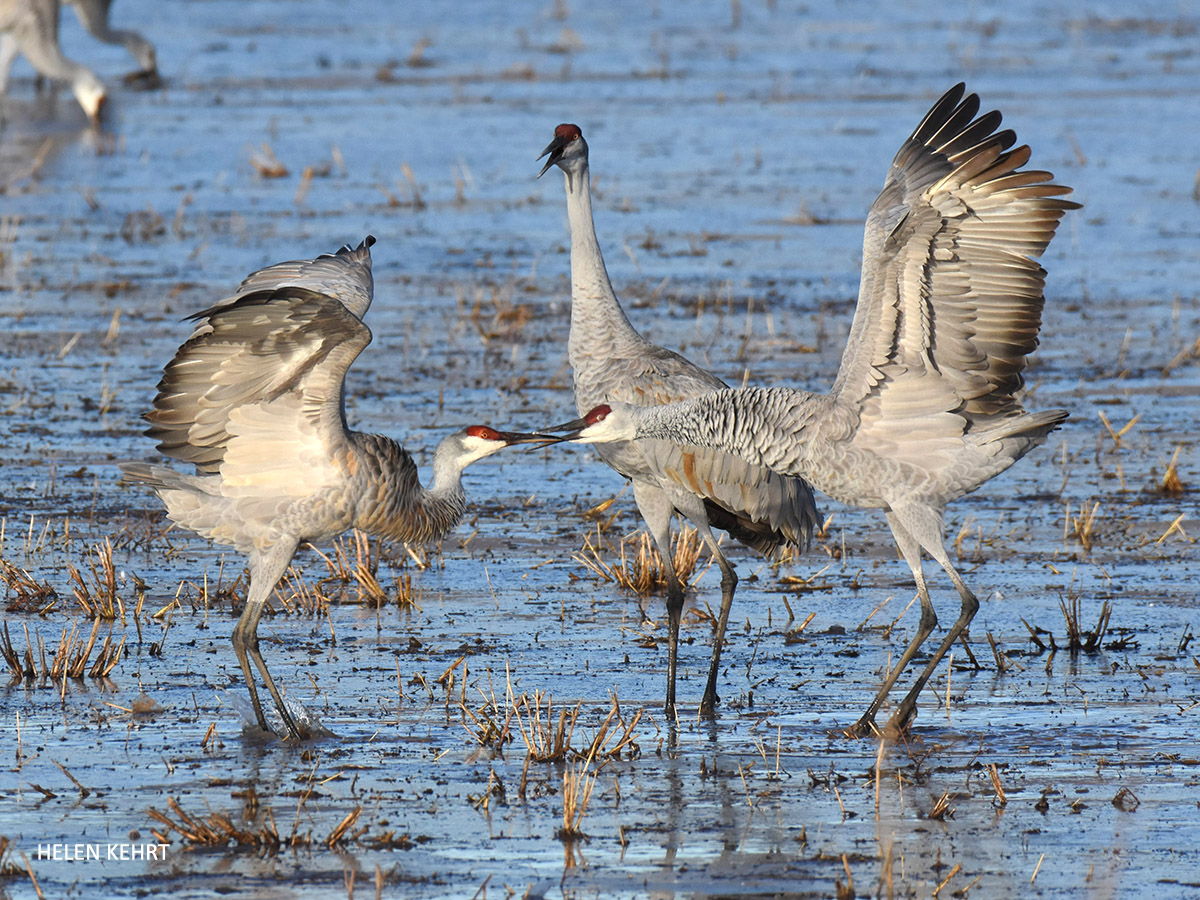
161, 478
193, 502
1035, 425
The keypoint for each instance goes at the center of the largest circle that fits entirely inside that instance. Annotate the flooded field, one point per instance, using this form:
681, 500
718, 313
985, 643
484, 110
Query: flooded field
735, 150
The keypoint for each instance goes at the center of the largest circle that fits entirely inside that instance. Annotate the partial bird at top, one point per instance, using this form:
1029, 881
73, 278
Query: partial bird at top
255, 401
30, 27
926, 405
93, 16
612, 362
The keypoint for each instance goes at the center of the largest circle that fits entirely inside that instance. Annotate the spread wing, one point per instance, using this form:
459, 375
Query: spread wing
756, 505
258, 389
345, 276
951, 298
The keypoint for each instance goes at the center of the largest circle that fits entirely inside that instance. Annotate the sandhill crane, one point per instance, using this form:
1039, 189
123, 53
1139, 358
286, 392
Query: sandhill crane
613, 362
30, 27
93, 16
254, 399
924, 408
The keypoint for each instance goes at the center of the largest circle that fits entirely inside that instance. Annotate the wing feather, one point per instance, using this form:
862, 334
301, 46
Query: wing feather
264, 375
345, 276
750, 495
654, 376
757, 506
951, 297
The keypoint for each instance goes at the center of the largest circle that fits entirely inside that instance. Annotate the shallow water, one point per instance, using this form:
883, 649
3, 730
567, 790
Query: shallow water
734, 151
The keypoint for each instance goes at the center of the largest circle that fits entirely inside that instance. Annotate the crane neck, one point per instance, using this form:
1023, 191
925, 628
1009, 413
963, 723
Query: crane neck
396, 505
52, 64
447, 493
597, 320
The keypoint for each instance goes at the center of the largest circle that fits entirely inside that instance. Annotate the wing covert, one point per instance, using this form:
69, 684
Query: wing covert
782, 503
651, 377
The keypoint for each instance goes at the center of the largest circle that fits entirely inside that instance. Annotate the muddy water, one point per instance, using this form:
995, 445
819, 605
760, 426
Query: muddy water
735, 150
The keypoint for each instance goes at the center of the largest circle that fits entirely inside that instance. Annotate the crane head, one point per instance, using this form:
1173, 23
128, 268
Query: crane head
602, 425
478, 441
91, 96
568, 145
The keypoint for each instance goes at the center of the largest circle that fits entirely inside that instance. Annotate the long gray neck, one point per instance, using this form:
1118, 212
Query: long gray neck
52, 64
446, 492
393, 502
598, 324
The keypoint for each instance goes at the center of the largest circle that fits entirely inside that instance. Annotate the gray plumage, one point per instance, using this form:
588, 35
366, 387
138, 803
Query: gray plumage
190, 413
254, 400
344, 275
30, 27
925, 407
612, 362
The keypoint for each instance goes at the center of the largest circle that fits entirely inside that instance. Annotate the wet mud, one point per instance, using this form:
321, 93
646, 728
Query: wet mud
735, 151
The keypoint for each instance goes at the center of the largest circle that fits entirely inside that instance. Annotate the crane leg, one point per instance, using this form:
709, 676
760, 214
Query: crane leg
265, 571
729, 581
907, 709
674, 614
910, 549
657, 510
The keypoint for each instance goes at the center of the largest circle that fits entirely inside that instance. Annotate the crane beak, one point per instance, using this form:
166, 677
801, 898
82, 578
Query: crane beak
555, 151
572, 429
94, 115
519, 437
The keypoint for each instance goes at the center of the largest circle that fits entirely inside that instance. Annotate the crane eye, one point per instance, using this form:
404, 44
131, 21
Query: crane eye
575, 137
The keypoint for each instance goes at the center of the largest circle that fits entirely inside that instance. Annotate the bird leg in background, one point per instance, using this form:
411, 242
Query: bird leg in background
656, 510
729, 582
8, 55
265, 572
674, 614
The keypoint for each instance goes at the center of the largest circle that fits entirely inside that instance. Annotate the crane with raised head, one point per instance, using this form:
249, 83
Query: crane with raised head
613, 362
254, 400
926, 406
30, 27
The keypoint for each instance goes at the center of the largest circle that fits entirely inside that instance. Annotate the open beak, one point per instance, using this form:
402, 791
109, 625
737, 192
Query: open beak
519, 437
571, 428
555, 151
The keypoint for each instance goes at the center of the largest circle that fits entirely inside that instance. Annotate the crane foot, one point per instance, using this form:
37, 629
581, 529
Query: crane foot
863, 728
